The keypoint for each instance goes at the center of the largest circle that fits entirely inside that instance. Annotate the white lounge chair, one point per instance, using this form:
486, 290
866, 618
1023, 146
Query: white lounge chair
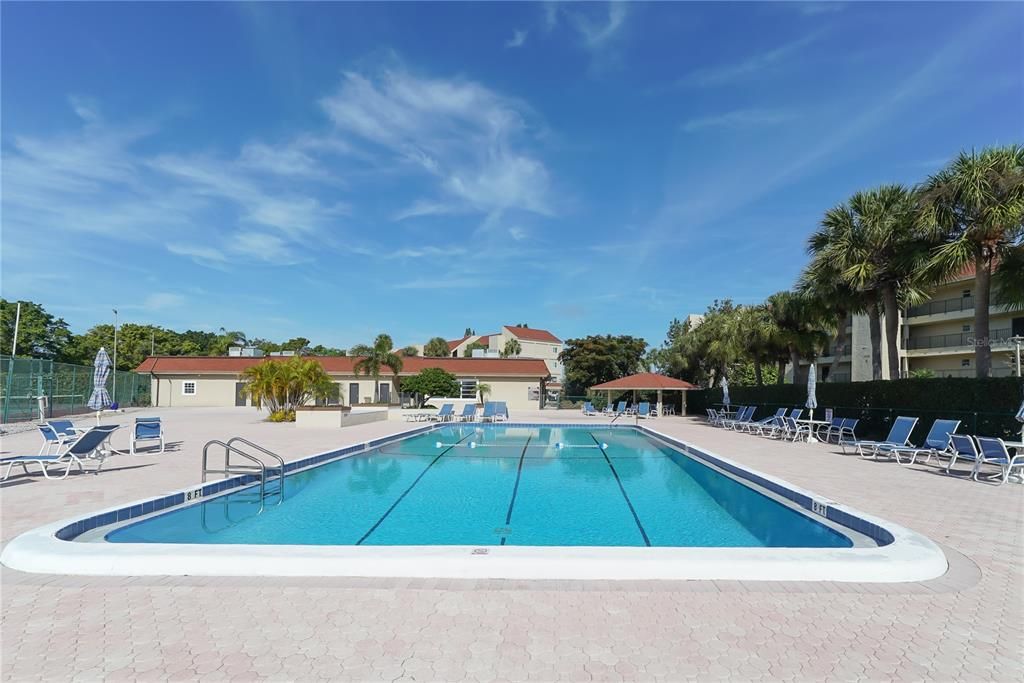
936, 442
994, 452
89, 446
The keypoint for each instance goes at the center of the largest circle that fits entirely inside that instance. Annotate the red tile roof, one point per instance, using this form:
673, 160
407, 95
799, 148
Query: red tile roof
342, 365
645, 381
454, 343
530, 334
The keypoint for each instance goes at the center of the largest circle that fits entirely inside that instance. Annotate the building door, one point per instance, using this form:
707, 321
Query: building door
385, 393
353, 394
239, 396
1017, 327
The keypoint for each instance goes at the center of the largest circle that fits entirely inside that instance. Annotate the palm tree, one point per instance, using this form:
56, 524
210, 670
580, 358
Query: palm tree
436, 348
874, 239
822, 280
512, 348
755, 332
286, 385
976, 207
798, 321
373, 358
483, 390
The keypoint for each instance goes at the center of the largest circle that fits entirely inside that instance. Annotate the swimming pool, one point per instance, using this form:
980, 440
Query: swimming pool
495, 501
484, 485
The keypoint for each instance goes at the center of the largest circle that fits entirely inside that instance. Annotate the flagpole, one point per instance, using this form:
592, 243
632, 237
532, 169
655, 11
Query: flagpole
113, 399
14, 342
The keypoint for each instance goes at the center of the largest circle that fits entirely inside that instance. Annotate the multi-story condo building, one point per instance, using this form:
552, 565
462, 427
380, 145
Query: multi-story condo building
533, 343
937, 335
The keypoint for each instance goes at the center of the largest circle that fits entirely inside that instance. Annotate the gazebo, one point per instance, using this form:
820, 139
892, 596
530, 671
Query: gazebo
646, 381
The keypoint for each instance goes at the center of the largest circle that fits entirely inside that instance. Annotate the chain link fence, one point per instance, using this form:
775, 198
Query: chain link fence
34, 389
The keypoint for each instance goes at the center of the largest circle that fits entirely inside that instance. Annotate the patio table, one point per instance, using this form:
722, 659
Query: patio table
814, 425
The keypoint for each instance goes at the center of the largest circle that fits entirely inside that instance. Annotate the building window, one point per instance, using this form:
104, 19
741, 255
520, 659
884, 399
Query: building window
467, 388
967, 328
188, 388
965, 363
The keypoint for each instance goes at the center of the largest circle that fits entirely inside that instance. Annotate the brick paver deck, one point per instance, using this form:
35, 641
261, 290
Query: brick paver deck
966, 626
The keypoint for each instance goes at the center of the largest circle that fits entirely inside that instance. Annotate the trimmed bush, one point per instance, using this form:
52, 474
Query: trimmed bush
985, 407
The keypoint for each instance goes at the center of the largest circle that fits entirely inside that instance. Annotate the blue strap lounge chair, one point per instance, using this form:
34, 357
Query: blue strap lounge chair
766, 423
993, 452
468, 412
501, 412
832, 430
962, 447
490, 410
643, 410
620, 408
743, 415
588, 408
935, 443
147, 429
899, 435
89, 446
53, 440
847, 433
444, 414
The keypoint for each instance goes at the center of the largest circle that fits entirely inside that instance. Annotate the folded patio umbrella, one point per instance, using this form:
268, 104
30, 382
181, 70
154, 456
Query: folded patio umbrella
725, 392
100, 399
1020, 418
812, 389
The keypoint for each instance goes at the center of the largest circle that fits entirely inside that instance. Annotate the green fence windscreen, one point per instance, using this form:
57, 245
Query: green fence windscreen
66, 388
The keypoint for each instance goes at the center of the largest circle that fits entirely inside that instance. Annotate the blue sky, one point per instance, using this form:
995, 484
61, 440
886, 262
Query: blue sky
337, 170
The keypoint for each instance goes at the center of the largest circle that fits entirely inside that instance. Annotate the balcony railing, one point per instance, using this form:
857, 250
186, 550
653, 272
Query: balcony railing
940, 341
964, 303
972, 372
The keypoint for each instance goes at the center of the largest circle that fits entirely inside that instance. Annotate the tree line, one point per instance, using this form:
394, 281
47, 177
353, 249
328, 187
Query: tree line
43, 335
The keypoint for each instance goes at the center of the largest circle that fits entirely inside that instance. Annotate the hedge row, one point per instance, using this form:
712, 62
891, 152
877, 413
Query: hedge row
985, 407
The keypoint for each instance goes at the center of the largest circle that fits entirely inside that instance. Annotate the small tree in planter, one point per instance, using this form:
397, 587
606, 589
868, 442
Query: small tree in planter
483, 391
431, 383
283, 386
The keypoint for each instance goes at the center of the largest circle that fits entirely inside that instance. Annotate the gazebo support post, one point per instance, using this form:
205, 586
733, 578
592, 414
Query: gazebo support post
609, 400
660, 413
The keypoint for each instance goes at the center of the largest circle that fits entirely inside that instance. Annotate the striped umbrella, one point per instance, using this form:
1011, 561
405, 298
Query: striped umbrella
100, 399
725, 392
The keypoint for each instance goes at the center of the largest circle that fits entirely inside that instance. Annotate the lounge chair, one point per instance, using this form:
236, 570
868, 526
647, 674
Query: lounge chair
962, 447
588, 408
832, 430
444, 414
468, 413
89, 446
847, 432
643, 410
54, 441
899, 435
501, 412
490, 410
147, 429
993, 452
743, 416
936, 442
766, 423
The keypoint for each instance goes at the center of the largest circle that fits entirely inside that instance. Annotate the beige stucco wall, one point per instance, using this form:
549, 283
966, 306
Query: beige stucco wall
211, 391
219, 390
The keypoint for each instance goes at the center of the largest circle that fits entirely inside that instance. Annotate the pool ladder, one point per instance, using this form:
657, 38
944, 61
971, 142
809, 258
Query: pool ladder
254, 465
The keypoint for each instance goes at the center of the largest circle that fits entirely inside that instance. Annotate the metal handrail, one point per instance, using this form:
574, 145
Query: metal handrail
262, 468
272, 454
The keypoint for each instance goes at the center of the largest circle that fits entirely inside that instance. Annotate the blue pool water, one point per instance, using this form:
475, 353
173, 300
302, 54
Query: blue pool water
492, 484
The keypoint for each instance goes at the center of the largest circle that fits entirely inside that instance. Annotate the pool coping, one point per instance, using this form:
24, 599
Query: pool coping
903, 556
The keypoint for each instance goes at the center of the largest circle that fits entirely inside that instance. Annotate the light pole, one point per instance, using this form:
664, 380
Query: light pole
113, 397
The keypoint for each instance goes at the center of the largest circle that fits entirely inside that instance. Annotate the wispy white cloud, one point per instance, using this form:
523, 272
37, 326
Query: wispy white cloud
518, 38
725, 74
738, 119
442, 283
197, 252
811, 9
161, 300
473, 141
598, 31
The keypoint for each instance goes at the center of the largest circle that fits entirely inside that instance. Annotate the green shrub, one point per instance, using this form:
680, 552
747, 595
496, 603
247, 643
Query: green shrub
282, 416
984, 406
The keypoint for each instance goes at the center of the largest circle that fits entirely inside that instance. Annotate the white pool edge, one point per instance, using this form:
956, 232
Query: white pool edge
910, 557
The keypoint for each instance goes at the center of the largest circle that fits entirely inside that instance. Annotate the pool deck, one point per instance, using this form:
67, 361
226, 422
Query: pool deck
967, 625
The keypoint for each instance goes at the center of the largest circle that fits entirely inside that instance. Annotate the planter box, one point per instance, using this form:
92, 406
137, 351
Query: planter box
333, 417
